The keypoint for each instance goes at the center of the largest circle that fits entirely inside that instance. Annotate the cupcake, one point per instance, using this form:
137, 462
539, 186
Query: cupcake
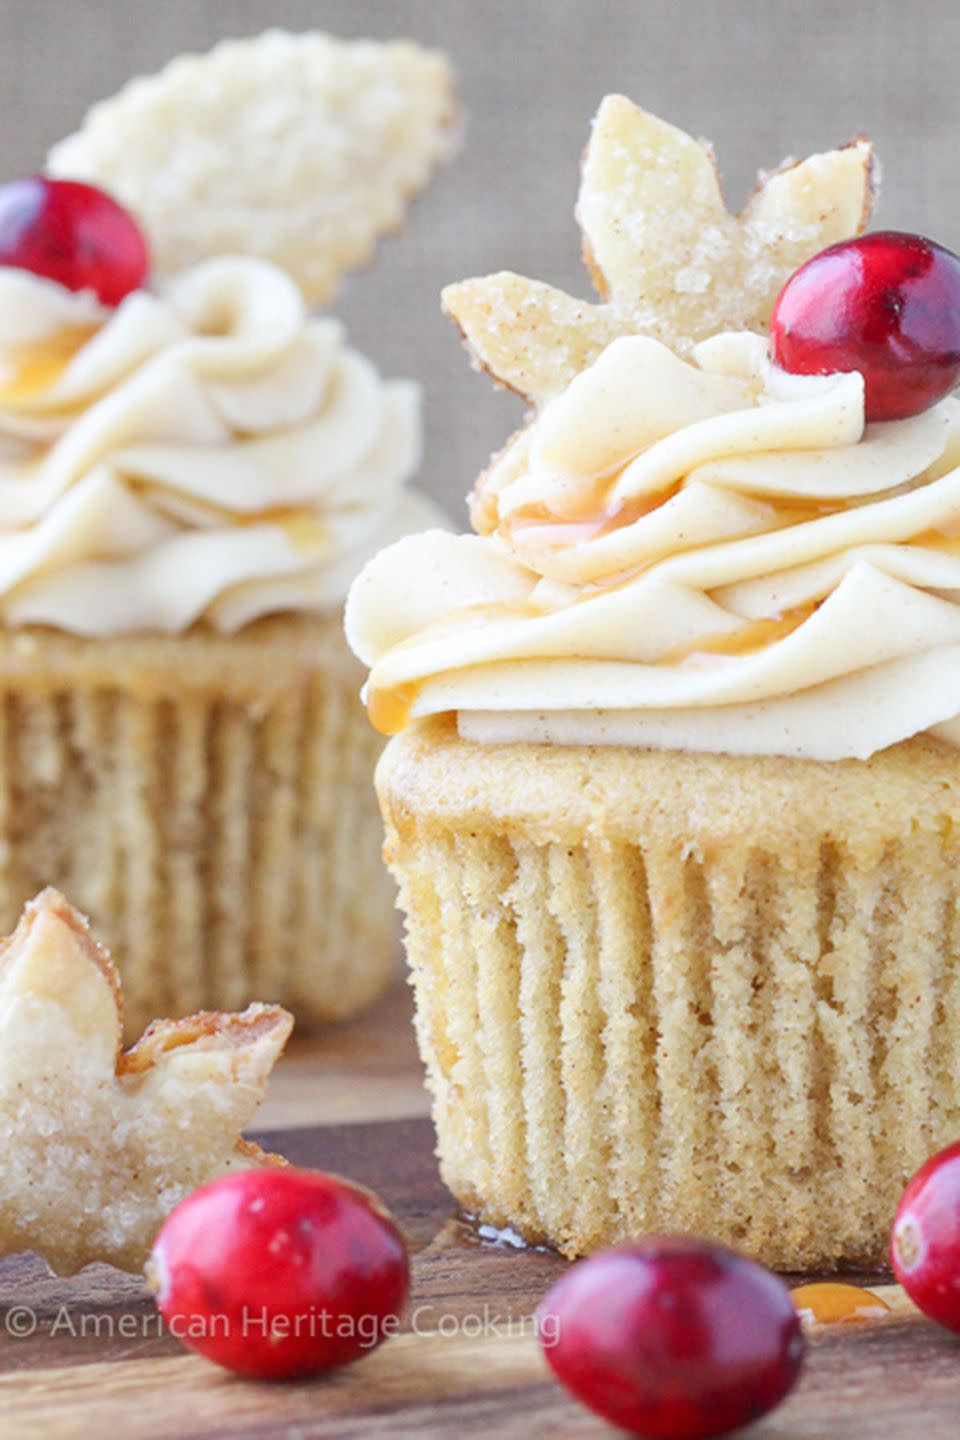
673, 793
194, 467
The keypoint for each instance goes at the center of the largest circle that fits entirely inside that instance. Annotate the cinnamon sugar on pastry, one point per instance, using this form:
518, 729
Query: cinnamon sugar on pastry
666, 256
98, 1143
300, 149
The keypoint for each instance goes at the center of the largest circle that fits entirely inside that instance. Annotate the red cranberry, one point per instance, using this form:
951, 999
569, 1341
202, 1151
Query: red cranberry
672, 1336
74, 234
886, 304
280, 1272
925, 1245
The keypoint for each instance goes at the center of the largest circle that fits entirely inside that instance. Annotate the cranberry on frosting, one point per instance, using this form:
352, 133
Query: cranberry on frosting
886, 305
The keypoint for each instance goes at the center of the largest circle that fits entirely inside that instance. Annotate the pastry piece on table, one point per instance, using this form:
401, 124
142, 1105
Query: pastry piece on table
100, 1143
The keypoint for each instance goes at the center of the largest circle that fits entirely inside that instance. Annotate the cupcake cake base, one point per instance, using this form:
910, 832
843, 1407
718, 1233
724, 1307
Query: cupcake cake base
206, 800
661, 991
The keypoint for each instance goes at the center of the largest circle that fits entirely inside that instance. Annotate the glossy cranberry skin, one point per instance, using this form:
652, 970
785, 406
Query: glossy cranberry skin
925, 1243
277, 1273
672, 1336
74, 234
886, 304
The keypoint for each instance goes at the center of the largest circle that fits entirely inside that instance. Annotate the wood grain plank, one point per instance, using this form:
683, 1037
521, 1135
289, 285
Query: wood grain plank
401, 1390
873, 1382
467, 1363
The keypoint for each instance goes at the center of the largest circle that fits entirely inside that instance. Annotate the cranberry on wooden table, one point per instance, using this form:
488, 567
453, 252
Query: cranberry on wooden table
74, 234
925, 1244
279, 1272
885, 304
672, 1337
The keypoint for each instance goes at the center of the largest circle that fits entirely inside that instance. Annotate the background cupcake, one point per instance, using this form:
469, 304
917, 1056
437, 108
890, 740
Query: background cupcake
193, 469
673, 805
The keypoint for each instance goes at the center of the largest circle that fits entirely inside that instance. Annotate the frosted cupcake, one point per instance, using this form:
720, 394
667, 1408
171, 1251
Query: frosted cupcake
673, 803
193, 468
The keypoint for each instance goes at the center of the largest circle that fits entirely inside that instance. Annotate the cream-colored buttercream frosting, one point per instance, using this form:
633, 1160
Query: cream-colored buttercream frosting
706, 555
212, 453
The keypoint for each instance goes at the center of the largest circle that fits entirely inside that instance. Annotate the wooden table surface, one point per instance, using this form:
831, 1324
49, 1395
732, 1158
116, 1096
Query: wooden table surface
85, 1358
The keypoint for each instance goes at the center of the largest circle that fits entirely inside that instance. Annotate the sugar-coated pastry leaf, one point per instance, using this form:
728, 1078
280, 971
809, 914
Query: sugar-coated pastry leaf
529, 336
655, 228
300, 149
665, 251
666, 256
797, 211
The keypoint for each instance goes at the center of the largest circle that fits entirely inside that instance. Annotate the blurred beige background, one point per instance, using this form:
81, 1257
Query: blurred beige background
761, 78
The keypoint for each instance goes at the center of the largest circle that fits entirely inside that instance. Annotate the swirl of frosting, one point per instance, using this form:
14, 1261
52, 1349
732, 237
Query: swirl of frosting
708, 555
210, 454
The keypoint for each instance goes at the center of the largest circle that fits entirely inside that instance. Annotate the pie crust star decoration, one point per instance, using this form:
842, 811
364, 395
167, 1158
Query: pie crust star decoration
666, 256
99, 1144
